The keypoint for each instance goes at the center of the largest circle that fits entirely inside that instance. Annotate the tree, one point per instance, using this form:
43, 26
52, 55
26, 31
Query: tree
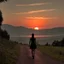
62, 42
2, 0
5, 35
58, 43
1, 18
55, 43
47, 44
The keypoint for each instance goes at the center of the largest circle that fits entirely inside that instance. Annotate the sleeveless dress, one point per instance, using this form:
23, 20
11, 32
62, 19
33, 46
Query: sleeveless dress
33, 43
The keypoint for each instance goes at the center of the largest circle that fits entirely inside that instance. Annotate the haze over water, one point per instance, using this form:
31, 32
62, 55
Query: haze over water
43, 14
41, 39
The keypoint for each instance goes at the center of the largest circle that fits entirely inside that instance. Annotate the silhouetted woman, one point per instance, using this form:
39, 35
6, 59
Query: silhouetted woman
32, 44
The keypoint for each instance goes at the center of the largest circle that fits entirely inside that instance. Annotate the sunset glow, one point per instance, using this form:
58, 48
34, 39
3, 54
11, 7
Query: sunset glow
36, 28
43, 14
35, 22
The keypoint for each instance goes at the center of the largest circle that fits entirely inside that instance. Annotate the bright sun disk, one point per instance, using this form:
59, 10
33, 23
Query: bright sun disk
36, 28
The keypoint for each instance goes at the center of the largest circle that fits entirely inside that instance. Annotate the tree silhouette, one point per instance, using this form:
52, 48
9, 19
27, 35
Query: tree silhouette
2, 0
58, 43
46, 44
62, 42
5, 35
1, 18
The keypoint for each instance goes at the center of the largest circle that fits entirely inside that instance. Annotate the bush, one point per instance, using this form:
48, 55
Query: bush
58, 43
8, 52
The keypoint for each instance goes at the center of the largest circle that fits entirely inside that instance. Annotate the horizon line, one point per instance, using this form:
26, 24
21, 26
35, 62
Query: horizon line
33, 28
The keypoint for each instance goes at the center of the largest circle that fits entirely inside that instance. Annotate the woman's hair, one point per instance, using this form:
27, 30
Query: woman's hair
32, 34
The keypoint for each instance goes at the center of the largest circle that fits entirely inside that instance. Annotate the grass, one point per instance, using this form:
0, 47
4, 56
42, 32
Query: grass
9, 52
54, 52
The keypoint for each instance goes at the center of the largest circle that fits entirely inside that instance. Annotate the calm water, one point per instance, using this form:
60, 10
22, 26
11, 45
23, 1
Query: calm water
41, 39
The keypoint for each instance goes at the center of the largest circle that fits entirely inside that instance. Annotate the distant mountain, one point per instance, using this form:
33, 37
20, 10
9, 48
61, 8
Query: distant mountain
18, 31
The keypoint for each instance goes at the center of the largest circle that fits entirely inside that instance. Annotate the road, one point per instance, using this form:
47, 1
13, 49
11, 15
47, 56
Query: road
25, 57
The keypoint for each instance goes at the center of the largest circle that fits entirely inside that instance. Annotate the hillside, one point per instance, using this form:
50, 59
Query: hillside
9, 52
18, 31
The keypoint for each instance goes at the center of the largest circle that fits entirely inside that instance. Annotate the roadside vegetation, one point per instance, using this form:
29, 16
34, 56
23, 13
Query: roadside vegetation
9, 52
54, 52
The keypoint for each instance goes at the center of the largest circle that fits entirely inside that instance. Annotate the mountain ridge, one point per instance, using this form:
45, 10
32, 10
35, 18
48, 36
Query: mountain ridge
20, 30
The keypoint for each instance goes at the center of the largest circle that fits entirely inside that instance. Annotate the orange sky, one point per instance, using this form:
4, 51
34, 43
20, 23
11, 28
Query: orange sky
34, 13
32, 22
35, 23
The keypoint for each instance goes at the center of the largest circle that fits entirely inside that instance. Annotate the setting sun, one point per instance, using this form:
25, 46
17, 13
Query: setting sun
36, 28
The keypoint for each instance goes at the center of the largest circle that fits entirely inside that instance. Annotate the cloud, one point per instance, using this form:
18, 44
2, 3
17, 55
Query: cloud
40, 17
36, 11
34, 4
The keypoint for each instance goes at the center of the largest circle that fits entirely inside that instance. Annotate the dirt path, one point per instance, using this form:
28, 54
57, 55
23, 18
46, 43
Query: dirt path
25, 57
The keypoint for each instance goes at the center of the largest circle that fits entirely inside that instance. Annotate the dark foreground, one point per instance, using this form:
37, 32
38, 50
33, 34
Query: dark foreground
25, 57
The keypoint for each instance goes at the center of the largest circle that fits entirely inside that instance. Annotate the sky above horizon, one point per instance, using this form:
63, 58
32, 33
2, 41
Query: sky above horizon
33, 13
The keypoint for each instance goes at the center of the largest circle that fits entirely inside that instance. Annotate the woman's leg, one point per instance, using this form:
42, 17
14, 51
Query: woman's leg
33, 53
